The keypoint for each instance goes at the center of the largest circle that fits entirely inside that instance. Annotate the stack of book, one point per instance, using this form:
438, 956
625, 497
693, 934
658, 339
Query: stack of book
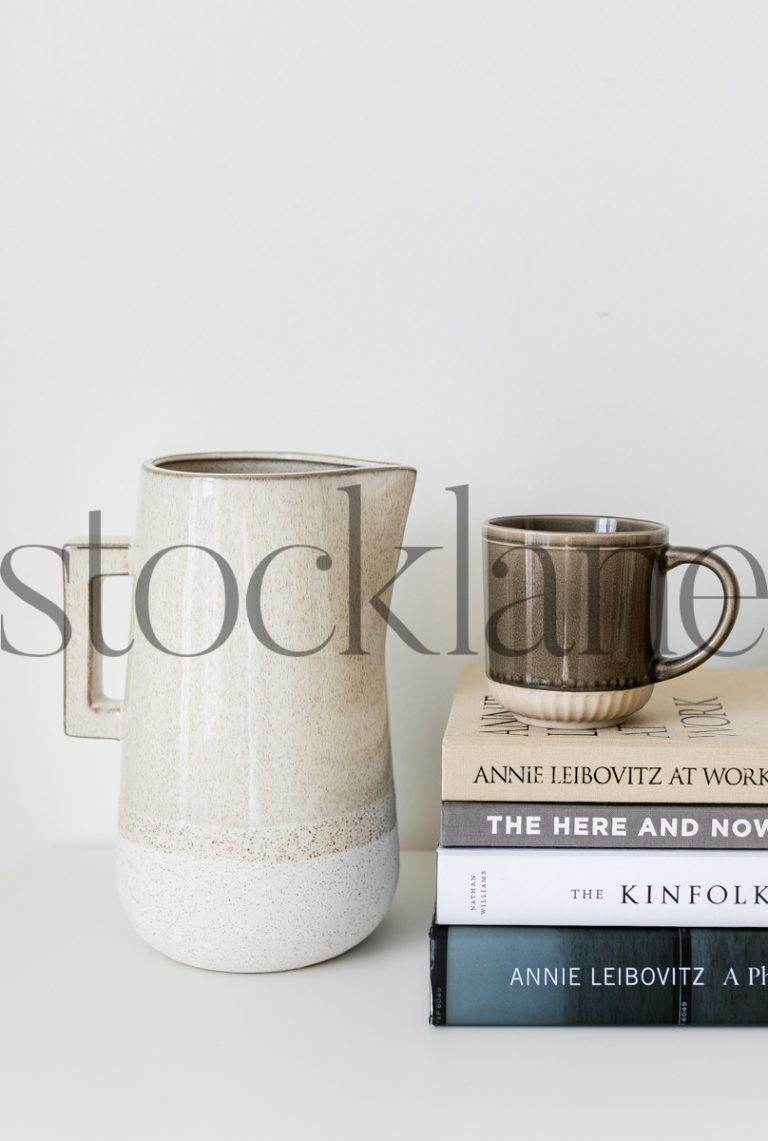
606, 876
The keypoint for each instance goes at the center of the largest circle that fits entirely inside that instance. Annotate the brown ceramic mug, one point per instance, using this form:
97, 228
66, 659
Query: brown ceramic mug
574, 608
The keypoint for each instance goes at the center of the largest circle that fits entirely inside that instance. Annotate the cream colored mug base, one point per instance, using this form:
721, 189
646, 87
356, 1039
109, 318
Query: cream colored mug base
570, 709
247, 915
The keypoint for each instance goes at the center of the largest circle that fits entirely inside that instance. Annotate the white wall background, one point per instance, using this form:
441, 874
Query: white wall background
520, 246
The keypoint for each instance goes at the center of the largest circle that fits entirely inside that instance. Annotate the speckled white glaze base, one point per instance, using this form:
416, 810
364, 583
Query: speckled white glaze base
246, 915
564, 709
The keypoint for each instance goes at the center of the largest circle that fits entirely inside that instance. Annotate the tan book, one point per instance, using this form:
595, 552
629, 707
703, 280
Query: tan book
701, 739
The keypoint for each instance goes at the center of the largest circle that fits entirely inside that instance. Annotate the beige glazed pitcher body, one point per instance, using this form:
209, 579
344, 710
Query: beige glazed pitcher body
257, 825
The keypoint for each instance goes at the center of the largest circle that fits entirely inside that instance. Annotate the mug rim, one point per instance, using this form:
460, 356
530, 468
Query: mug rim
315, 464
562, 530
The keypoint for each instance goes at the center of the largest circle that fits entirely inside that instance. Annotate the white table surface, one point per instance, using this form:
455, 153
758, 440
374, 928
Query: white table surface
103, 1038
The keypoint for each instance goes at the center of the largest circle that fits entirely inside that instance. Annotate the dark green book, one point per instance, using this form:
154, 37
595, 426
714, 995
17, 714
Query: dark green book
598, 976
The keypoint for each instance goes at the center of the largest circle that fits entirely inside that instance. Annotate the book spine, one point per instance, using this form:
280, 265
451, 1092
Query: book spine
598, 976
499, 824
553, 886
617, 773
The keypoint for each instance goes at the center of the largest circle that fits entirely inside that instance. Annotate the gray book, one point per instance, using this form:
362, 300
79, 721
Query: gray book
505, 824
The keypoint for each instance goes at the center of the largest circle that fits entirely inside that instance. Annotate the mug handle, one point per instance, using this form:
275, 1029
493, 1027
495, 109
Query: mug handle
666, 668
87, 712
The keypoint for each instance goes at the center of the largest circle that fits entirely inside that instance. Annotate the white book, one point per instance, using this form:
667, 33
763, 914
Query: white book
617, 888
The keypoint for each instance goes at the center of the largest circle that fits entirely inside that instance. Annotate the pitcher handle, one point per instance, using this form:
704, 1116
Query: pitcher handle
87, 712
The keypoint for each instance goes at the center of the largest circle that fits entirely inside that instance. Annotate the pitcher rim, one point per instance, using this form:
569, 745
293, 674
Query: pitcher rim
327, 465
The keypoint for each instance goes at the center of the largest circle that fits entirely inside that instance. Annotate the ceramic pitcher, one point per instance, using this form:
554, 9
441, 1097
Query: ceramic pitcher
257, 827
